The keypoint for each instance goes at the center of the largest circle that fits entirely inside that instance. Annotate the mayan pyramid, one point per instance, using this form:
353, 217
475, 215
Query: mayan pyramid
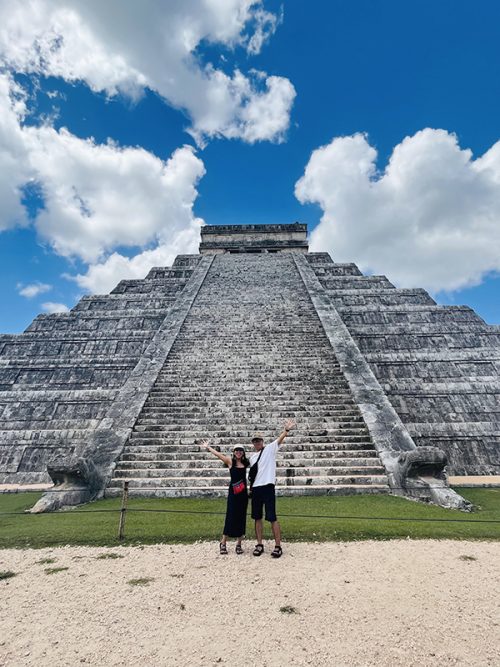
390, 391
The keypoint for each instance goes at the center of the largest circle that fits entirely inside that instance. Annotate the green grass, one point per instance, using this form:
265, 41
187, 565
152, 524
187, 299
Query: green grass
88, 526
7, 574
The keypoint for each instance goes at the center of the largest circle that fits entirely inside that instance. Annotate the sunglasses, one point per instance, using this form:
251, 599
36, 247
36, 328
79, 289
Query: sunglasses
238, 449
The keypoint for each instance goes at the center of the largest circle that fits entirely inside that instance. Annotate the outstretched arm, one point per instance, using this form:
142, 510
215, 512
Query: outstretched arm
223, 457
289, 424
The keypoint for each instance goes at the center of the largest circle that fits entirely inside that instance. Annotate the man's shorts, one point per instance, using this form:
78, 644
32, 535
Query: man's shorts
264, 496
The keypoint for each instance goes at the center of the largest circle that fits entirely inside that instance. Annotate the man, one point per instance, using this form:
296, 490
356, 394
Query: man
263, 489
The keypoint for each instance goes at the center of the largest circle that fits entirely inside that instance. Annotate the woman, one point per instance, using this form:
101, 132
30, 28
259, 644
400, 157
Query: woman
237, 499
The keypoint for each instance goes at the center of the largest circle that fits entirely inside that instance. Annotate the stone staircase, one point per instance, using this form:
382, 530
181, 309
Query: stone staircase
251, 353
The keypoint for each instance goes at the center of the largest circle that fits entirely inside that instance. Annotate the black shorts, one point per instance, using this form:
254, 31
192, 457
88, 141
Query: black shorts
264, 496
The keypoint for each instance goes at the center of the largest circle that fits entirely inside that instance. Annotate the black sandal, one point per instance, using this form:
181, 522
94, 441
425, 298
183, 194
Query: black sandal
238, 549
259, 550
277, 552
222, 549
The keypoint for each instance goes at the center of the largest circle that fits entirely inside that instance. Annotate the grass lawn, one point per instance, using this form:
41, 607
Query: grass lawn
89, 526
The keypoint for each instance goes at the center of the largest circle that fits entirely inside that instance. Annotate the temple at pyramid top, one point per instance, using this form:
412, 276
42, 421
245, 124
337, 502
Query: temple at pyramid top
220, 239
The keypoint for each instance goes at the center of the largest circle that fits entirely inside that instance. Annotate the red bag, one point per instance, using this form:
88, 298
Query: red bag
238, 487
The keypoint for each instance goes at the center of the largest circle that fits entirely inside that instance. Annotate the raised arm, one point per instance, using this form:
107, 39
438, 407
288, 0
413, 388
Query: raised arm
223, 457
289, 424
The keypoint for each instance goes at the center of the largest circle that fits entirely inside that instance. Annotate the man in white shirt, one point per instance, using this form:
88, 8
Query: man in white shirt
263, 488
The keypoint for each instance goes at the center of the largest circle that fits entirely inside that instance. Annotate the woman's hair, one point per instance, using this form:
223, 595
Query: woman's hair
243, 459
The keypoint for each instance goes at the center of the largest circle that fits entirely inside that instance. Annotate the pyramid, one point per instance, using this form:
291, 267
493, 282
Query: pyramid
391, 392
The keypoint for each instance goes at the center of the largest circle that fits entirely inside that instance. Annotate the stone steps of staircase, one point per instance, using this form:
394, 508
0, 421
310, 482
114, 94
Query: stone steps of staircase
212, 380
346, 406
221, 425
202, 417
221, 491
237, 391
229, 438
266, 418
158, 446
245, 408
148, 469
242, 430
246, 358
195, 482
347, 457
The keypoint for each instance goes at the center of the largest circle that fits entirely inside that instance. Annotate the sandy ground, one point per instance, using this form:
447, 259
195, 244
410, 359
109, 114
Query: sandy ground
366, 603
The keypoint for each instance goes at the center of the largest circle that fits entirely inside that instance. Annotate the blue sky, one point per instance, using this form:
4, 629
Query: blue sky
371, 82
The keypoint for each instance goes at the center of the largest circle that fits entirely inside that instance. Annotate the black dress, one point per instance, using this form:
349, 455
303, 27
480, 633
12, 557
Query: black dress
236, 513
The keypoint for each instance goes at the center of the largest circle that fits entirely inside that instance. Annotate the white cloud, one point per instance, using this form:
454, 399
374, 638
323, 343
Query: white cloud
430, 219
52, 308
124, 46
30, 291
14, 171
104, 276
98, 197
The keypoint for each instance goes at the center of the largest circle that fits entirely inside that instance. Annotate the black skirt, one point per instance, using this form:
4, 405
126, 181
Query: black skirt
237, 503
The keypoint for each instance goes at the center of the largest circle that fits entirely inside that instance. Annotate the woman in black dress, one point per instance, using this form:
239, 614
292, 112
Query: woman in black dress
237, 499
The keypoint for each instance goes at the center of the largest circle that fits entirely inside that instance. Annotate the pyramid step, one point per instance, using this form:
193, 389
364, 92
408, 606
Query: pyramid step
349, 456
195, 482
190, 447
221, 492
237, 431
224, 439
276, 414
147, 470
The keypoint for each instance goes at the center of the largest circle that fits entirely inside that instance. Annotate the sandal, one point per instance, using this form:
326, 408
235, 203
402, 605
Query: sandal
222, 549
238, 549
277, 552
259, 550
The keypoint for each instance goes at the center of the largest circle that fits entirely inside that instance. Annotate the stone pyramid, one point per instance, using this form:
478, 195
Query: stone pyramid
389, 390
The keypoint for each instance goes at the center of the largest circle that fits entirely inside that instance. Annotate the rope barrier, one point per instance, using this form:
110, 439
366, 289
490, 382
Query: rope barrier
289, 516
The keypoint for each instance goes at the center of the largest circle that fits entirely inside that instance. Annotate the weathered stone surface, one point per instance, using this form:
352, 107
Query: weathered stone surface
221, 239
251, 352
235, 341
438, 365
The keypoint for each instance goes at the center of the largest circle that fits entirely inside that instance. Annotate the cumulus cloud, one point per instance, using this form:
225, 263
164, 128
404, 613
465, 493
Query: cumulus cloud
14, 170
97, 197
52, 308
30, 291
104, 276
430, 219
124, 46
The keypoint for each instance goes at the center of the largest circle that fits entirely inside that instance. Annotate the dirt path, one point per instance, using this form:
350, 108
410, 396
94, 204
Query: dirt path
367, 603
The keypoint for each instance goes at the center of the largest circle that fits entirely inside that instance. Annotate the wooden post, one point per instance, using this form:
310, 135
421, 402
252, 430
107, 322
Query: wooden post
123, 509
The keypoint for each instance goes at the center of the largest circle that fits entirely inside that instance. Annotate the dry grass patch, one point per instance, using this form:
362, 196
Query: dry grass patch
112, 556
142, 581
54, 570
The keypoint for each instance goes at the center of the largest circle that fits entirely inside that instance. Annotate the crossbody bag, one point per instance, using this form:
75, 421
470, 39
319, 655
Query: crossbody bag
252, 473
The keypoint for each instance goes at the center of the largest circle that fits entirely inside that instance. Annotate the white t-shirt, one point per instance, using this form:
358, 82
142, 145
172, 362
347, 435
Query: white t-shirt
266, 473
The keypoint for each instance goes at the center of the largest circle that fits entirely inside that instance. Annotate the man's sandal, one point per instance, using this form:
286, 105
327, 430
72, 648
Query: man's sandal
259, 550
277, 552
238, 549
222, 549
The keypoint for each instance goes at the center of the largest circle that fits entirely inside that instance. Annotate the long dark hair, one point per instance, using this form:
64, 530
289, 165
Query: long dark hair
243, 459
